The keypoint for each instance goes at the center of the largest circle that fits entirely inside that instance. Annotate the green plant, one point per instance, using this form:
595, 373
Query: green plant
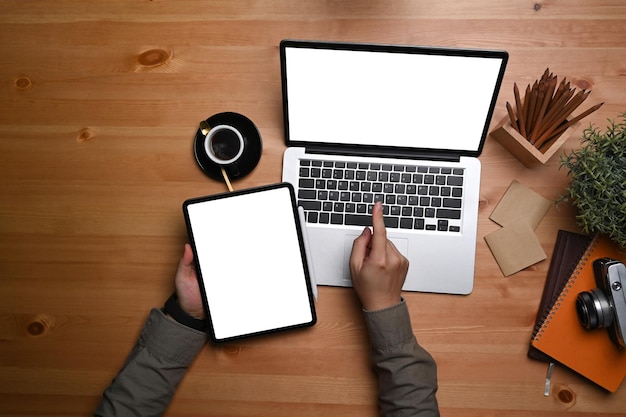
597, 185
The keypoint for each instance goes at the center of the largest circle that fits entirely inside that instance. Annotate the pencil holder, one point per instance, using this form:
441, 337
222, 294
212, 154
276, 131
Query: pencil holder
542, 120
522, 149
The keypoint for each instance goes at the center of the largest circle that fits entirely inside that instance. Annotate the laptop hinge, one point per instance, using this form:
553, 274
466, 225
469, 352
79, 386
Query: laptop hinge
386, 153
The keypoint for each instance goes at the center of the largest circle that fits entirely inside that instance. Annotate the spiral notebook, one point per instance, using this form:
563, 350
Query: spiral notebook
561, 337
568, 249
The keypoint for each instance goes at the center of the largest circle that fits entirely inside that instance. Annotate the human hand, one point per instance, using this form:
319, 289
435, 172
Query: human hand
187, 287
377, 268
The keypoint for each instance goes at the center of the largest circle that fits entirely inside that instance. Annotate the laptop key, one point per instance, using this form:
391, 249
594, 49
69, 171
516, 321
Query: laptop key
361, 220
452, 202
406, 223
306, 183
443, 213
336, 218
310, 205
307, 194
455, 181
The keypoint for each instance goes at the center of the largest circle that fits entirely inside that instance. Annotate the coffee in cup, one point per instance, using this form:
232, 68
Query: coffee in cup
223, 144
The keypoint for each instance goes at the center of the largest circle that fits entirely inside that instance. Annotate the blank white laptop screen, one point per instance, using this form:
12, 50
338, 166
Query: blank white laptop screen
414, 100
252, 268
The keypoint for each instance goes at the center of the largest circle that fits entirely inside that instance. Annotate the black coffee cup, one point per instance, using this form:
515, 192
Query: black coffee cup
223, 144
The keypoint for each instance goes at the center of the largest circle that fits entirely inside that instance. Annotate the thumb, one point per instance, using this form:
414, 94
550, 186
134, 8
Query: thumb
360, 248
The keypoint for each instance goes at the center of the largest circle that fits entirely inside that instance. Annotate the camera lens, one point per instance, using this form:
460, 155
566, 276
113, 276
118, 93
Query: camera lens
594, 310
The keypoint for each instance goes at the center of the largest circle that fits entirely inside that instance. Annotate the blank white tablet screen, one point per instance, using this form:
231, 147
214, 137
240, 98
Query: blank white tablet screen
251, 263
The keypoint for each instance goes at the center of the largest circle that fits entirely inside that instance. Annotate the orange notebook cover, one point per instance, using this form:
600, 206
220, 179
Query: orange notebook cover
590, 353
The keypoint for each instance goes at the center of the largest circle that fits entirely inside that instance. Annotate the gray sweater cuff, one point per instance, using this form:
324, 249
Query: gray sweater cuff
171, 340
389, 327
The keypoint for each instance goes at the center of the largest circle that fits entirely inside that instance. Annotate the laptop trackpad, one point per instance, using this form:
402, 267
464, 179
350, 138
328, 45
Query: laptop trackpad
400, 243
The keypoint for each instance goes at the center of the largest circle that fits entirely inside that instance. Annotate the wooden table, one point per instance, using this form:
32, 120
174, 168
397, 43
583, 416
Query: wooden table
99, 102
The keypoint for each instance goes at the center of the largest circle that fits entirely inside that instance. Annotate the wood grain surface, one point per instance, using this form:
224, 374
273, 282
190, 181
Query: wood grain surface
99, 103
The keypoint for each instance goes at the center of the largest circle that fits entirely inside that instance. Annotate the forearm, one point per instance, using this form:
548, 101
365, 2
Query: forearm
407, 374
147, 382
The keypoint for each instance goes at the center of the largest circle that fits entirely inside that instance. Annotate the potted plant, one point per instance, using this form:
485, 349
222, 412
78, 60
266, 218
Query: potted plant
597, 187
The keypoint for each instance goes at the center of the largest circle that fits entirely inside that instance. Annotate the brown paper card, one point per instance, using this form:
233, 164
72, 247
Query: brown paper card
515, 247
520, 202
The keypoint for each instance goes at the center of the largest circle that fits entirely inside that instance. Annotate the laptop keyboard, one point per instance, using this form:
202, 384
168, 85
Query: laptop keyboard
420, 197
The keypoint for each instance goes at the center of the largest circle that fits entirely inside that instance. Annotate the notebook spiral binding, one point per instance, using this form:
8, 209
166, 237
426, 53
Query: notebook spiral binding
540, 329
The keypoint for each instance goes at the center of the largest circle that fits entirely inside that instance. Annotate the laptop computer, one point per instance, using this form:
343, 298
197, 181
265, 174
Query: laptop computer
399, 124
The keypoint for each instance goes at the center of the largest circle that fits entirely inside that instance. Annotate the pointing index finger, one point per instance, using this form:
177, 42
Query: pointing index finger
379, 238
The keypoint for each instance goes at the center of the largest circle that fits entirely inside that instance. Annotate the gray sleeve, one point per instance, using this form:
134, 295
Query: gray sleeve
146, 383
407, 374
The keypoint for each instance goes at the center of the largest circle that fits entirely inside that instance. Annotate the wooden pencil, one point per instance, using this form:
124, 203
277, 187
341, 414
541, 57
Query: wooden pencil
557, 132
554, 113
512, 116
530, 109
519, 108
561, 116
525, 108
551, 85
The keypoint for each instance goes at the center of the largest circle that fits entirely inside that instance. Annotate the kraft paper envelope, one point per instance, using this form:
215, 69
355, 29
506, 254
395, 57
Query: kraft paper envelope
515, 247
520, 202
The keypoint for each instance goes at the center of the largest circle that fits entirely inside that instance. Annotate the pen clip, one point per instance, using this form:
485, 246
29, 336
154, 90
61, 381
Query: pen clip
546, 390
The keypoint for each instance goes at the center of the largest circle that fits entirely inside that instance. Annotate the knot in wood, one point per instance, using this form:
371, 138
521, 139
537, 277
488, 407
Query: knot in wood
566, 396
23, 83
583, 83
232, 351
85, 134
153, 57
39, 325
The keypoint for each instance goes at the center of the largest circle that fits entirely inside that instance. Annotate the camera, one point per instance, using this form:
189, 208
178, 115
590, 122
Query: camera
605, 307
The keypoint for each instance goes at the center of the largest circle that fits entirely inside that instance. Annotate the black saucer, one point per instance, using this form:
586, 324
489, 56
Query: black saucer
252, 147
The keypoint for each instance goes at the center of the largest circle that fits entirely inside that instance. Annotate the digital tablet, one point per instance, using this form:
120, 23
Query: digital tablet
251, 263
